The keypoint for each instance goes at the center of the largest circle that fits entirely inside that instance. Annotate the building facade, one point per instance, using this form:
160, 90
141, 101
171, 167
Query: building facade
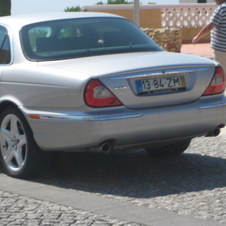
196, 1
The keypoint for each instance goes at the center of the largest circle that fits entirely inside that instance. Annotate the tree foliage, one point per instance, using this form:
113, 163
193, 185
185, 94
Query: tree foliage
5, 7
115, 2
119, 2
99, 3
73, 9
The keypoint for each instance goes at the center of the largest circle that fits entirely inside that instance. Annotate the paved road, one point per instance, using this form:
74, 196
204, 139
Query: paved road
123, 189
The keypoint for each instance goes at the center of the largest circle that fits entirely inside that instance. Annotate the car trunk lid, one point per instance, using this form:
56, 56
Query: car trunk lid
144, 80
161, 87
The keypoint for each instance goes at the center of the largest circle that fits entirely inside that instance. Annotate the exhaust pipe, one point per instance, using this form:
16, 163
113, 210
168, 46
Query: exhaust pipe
214, 133
104, 147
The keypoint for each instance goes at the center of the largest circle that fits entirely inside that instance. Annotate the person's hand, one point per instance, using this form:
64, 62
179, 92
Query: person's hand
195, 39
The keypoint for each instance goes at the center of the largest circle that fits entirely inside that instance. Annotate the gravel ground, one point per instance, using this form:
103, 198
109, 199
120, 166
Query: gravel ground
193, 183
20, 210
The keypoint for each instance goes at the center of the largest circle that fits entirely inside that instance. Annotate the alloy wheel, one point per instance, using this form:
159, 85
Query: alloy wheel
13, 143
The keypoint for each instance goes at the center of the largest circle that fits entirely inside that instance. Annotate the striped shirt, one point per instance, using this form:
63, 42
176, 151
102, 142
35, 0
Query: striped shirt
218, 33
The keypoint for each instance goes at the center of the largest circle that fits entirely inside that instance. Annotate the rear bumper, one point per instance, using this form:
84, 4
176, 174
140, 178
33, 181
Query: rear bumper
127, 127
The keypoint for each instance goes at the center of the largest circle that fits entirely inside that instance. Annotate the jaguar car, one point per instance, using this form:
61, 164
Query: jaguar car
96, 82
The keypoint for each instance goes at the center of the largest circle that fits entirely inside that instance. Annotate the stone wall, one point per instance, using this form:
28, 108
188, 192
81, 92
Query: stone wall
168, 38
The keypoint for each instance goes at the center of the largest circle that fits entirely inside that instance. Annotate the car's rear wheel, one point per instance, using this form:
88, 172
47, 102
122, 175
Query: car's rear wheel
169, 149
19, 153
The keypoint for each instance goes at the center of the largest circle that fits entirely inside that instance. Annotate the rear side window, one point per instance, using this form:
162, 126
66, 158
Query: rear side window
4, 47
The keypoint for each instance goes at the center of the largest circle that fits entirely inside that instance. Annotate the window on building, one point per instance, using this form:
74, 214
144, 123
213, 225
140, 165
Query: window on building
201, 1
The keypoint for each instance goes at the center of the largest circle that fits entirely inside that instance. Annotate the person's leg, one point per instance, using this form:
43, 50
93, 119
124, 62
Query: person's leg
221, 58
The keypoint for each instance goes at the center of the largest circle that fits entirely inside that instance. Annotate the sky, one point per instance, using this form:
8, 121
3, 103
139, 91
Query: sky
41, 6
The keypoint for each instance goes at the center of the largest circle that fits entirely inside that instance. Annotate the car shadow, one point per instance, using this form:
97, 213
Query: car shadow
135, 174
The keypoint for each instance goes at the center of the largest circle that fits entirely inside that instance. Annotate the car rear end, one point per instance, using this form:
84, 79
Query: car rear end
174, 103
126, 91
137, 108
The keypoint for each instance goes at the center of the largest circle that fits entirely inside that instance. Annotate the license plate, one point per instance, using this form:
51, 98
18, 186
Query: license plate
160, 84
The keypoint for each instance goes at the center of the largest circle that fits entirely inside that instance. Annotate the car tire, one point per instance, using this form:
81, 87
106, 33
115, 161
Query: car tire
172, 149
19, 155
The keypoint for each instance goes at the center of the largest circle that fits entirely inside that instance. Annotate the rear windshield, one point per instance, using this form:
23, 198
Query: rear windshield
66, 39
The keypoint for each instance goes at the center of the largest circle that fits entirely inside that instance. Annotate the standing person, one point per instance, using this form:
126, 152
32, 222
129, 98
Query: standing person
217, 27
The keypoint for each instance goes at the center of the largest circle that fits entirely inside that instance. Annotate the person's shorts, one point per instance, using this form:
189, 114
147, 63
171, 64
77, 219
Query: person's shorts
221, 58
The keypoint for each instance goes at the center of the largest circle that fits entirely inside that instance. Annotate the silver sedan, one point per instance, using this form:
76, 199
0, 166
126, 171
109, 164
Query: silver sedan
96, 82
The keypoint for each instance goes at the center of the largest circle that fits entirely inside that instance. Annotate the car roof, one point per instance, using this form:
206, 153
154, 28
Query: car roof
19, 21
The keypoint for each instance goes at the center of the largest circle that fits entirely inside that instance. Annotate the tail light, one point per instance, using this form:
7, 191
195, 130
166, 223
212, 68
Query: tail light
97, 95
217, 84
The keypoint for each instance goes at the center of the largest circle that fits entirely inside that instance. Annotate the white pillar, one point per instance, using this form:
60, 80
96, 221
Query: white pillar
136, 12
